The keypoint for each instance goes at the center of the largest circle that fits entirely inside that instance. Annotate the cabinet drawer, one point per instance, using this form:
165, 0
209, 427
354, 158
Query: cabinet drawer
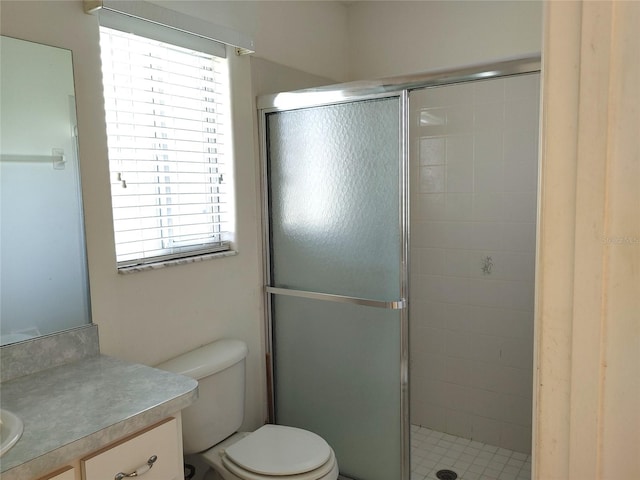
132, 453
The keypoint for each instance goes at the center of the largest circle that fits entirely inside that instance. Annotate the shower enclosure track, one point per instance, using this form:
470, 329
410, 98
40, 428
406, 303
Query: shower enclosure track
346, 92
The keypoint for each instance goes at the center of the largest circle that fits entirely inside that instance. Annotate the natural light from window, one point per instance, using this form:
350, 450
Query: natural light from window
167, 114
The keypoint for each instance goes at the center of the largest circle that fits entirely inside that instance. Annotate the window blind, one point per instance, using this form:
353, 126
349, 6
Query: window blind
167, 115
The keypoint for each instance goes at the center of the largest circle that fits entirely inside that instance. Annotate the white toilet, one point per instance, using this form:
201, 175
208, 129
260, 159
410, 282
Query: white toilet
209, 426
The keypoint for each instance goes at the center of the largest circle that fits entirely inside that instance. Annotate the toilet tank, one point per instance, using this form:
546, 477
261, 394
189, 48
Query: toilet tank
219, 368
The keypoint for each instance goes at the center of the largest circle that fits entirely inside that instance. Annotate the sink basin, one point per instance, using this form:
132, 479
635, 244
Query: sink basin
10, 430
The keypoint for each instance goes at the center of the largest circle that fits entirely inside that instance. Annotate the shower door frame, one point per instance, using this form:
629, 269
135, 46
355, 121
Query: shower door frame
267, 107
348, 93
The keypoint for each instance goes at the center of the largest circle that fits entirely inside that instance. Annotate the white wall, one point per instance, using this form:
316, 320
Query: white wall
269, 77
306, 35
397, 37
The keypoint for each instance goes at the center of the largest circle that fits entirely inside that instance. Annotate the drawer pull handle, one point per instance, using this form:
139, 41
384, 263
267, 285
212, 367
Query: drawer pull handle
140, 470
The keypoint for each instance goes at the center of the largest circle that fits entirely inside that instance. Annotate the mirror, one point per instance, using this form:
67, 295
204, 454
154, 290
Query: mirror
43, 273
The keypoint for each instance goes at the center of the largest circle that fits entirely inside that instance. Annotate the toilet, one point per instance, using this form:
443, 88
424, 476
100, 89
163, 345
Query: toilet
210, 424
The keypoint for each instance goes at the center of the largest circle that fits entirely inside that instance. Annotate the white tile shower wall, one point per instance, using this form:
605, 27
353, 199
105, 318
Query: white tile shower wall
473, 221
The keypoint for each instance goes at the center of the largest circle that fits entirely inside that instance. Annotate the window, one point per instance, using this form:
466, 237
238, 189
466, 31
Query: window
167, 114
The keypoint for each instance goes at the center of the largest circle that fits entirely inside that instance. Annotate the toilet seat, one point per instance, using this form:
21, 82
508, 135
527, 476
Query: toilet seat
328, 471
276, 451
279, 450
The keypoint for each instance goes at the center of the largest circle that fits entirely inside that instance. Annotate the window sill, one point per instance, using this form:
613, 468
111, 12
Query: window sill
177, 261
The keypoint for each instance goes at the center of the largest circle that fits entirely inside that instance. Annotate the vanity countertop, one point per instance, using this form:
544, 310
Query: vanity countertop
74, 409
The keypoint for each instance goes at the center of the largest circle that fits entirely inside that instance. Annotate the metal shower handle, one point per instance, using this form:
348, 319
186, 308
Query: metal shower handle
399, 304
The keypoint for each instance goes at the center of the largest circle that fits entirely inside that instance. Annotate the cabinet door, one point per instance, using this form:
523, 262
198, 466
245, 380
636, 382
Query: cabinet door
134, 453
66, 473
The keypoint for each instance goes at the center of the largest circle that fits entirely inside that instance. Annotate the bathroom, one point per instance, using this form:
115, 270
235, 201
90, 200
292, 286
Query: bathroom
152, 316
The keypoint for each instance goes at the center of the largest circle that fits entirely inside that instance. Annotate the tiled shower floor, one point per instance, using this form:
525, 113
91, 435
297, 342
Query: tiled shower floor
432, 451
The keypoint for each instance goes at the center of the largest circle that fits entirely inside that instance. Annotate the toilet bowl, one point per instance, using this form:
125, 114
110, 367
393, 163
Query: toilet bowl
210, 424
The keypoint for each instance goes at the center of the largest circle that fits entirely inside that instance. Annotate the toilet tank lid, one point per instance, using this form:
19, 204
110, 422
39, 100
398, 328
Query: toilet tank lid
208, 359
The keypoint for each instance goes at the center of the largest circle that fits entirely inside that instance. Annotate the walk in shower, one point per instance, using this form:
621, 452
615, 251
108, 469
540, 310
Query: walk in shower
400, 221
473, 192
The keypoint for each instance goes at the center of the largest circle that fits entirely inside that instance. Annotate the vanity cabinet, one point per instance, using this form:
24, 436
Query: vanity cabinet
154, 453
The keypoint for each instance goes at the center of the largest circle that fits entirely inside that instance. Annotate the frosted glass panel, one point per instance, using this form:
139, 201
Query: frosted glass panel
337, 374
334, 189
334, 192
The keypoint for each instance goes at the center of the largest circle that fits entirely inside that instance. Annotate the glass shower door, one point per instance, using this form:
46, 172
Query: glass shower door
337, 256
